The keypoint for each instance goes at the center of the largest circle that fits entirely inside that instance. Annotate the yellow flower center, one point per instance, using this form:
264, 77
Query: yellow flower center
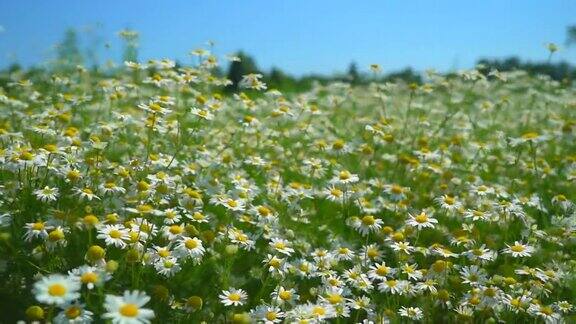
234, 297
396, 189
422, 218
382, 270
285, 295
57, 290
517, 248
319, 311
338, 144
191, 244
175, 229
129, 310
115, 234
56, 235
546, 310
72, 312
263, 210
89, 277
490, 292
271, 316
38, 226
334, 299
368, 220
529, 135
344, 175
336, 192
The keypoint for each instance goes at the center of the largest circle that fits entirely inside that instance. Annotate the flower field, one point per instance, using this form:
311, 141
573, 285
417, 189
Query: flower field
152, 195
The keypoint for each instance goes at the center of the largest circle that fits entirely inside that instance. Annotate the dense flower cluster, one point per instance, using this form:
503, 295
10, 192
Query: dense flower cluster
150, 194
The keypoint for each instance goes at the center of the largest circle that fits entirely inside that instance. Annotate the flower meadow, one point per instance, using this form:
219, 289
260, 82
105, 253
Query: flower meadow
152, 195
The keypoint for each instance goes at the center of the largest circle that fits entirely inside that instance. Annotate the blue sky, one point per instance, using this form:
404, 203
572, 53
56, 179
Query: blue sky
299, 36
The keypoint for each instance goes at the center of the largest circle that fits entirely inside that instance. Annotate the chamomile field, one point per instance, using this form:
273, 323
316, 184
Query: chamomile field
152, 195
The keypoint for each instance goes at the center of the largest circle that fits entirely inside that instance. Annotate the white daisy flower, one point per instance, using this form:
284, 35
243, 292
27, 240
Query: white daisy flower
366, 224
281, 245
413, 313
233, 297
38, 229
115, 235
73, 313
187, 247
128, 308
344, 177
519, 250
267, 314
47, 194
57, 289
421, 221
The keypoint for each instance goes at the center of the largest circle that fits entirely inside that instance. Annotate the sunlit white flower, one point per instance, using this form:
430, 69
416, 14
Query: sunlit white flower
46, 194
421, 221
128, 308
233, 297
413, 313
57, 289
116, 235
519, 250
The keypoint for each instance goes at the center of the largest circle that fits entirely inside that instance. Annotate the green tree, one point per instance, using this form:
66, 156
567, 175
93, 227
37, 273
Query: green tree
68, 52
353, 75
130, 39
571, 35
238, 68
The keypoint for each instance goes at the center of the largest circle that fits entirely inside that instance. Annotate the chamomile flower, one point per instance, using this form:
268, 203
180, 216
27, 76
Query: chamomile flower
128, 308
367, 224
449, 203
380, 271
233, 297
282, 296
281, 246
38, 229
267, 314
115, 235
86, 194
74, 313
344, 177
90, 276
519, 250
188, 247
413, 313
167, 266
422, 220
392, 286
57, 289
47, 194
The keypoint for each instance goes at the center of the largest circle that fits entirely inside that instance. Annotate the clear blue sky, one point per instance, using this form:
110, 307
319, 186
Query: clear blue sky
299, 36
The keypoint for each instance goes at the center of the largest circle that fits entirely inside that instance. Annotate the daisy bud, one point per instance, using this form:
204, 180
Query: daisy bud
194, 302
111, 266
208, 236
95, 253
241, 318
160, 292
191, 230
231, 249
35, 313
132, 256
